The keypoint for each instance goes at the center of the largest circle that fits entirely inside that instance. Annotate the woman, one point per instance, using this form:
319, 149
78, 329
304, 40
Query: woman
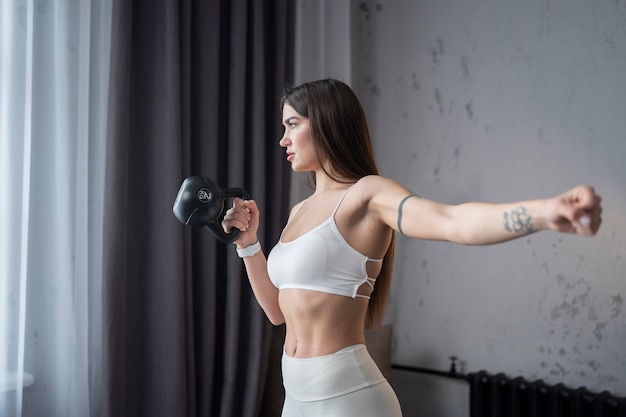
328, 276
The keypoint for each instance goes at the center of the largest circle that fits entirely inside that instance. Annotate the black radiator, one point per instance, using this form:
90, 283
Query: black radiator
501, 396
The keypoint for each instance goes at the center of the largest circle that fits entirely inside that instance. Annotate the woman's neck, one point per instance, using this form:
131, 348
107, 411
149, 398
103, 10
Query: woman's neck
324, 183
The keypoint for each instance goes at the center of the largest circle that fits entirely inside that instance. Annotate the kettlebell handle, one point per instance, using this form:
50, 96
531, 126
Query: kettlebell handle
200, 202
216, 228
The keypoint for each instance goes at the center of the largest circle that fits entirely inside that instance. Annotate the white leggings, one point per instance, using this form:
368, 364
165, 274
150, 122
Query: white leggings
346, 383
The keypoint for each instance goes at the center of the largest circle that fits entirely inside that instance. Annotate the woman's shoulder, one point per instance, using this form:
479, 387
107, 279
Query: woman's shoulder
298, 205
376, 190
373, 184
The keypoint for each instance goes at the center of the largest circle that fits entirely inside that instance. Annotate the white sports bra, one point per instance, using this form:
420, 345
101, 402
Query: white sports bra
320, 260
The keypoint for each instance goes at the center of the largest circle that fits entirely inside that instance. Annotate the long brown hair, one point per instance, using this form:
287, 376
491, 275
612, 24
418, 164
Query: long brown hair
340, 135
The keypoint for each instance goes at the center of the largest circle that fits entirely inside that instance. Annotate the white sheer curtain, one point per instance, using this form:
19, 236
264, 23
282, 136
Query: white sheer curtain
53, 83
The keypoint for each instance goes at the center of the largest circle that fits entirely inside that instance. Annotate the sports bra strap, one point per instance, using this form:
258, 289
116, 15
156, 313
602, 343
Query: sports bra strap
341, 199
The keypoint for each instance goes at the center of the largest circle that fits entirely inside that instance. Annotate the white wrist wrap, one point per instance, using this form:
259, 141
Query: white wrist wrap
250, 250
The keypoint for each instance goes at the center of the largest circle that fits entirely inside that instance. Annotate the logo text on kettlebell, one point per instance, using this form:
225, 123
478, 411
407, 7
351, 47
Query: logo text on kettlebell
205, 195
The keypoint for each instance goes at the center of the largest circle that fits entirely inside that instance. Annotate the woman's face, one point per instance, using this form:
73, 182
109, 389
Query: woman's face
297, 141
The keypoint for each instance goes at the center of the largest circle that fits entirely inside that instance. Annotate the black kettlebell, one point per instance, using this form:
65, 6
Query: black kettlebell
200, 202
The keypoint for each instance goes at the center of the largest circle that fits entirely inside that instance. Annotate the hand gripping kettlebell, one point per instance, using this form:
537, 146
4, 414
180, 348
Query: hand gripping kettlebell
200, 202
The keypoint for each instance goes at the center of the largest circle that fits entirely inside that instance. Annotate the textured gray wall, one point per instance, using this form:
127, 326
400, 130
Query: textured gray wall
498, 101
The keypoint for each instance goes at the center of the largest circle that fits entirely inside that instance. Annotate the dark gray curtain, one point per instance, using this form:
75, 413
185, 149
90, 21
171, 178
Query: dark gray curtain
194, 90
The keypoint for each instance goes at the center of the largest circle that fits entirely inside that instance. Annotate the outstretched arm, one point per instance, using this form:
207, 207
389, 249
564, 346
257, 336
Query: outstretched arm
575, 211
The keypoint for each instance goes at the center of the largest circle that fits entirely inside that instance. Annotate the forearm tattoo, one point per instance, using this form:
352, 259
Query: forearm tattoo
518, 221
400, 211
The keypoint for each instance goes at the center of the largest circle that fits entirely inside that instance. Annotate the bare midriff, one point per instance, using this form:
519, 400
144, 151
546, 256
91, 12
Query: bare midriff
319, 324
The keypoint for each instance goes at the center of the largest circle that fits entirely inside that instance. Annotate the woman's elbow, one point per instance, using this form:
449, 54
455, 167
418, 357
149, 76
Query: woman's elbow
275, 316
276, 320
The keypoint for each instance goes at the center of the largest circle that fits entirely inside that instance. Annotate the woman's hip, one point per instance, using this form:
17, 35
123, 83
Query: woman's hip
328, 376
